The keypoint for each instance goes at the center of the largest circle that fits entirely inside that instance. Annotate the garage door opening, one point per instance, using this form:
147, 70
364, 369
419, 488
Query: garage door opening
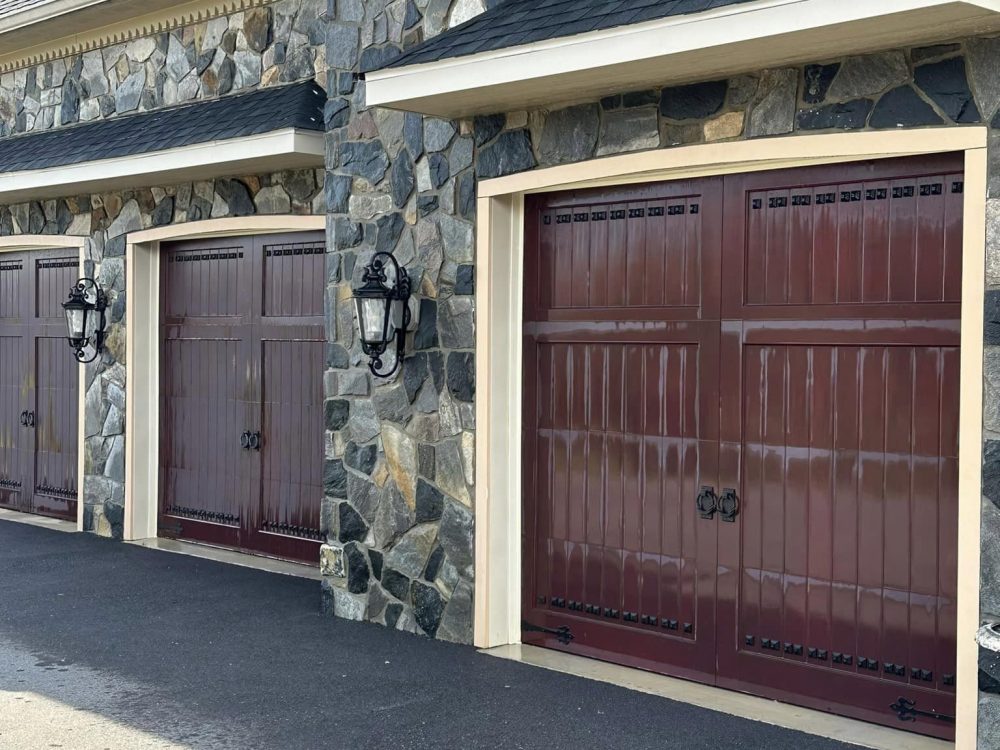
241, 400
39, 385
740, 412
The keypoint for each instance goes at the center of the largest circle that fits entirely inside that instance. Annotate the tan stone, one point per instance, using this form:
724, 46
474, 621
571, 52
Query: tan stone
401, 458
270, 76
729, 125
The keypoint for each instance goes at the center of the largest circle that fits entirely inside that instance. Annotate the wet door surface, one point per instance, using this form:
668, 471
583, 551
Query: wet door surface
241, 393
39, 385
818, 403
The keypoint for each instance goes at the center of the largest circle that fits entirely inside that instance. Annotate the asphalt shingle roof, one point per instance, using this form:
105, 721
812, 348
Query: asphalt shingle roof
297, 105
515, 22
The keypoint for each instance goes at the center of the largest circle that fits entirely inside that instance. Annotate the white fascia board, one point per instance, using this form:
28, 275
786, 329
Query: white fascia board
43, 12
289, 148
746, 36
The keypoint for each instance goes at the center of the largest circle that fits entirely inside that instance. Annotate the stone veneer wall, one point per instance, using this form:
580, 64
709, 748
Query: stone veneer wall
400, 452
268, 45
271, 44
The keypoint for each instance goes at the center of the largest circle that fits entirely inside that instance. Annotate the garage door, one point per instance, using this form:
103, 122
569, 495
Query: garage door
241, 413
39, 391
741, 406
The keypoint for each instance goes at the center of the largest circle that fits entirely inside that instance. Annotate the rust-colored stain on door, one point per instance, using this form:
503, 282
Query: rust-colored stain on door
740, 432
241, 453
39, 391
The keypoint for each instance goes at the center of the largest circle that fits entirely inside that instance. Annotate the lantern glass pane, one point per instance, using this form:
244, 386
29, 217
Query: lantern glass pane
372, 320
76, 322
92, 320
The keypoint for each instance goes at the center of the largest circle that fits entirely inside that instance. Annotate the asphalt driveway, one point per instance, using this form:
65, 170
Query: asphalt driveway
119, 642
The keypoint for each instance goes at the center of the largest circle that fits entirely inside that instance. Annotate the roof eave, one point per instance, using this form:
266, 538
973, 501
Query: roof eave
287, 148
751, 36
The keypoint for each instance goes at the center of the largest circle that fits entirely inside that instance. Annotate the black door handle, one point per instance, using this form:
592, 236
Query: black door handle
707, 502
729, 505
31, 419
24, 418
255, 441
245, 440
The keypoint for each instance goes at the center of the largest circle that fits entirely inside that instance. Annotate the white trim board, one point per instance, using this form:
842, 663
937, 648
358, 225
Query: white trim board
289, 148
697, 46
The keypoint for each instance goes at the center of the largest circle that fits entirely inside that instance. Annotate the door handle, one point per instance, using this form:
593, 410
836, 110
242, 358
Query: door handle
24, 418
255, 441
729, 505
707, 502
30, 419
245, 440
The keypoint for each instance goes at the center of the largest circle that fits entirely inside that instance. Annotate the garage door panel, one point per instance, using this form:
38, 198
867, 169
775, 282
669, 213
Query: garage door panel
866, 243
56, 427
12, 404
289, 266
53, 278
206, 279
12, 291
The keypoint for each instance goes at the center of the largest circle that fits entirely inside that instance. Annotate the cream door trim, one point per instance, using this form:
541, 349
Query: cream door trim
142, 358
499, 284
20, 243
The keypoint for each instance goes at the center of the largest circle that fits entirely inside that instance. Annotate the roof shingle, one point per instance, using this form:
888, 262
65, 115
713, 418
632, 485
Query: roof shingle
297, 105
515, 22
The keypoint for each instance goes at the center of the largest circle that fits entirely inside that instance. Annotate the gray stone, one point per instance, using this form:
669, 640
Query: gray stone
694, 101
115, 467
629, 130
993, 242
456, 623
180, 59
409, 555
902, 107
773, 112
817, 81
257, 28
392, 404
392, 518
396, 584
364, 159
358, 573
991, 397
298, 65
844, 116
869, 75
344, 604
428, 606
437, 133
460, 156
456, 535
430, 502
450, 472
509, 153
983, 57
461, 375
364, 495
351, 526
569, 134
342, 46
92, 75
272, 200
129, 219
363, 425
989, 721
945, 82
248, 68
457, 239
130, 91
989, 601
413, 134
334, 478
457, 324
402, 179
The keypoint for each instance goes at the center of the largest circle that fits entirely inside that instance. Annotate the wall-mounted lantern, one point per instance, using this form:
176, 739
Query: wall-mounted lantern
85, 319
383, 310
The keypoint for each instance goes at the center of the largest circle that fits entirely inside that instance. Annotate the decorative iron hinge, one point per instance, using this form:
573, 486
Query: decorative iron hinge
563, 634
907, 710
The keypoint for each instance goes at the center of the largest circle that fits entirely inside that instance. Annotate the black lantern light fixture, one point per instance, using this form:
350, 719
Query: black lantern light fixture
85, 319
383, 310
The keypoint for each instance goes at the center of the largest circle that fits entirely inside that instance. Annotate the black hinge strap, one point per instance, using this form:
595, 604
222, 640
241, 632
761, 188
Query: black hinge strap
907, 711
563, 634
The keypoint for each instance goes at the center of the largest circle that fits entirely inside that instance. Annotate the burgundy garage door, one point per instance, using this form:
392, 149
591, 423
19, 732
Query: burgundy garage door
39, 385
740, 436
241, 415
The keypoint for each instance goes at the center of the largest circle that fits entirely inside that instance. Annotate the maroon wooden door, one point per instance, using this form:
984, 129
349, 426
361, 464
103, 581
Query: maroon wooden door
840, 386
39, 387
809, 375
621, 423
241, 393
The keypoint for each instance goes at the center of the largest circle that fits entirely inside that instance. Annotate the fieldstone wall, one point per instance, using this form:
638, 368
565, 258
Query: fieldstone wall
276, 43
400, 450
268, 45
